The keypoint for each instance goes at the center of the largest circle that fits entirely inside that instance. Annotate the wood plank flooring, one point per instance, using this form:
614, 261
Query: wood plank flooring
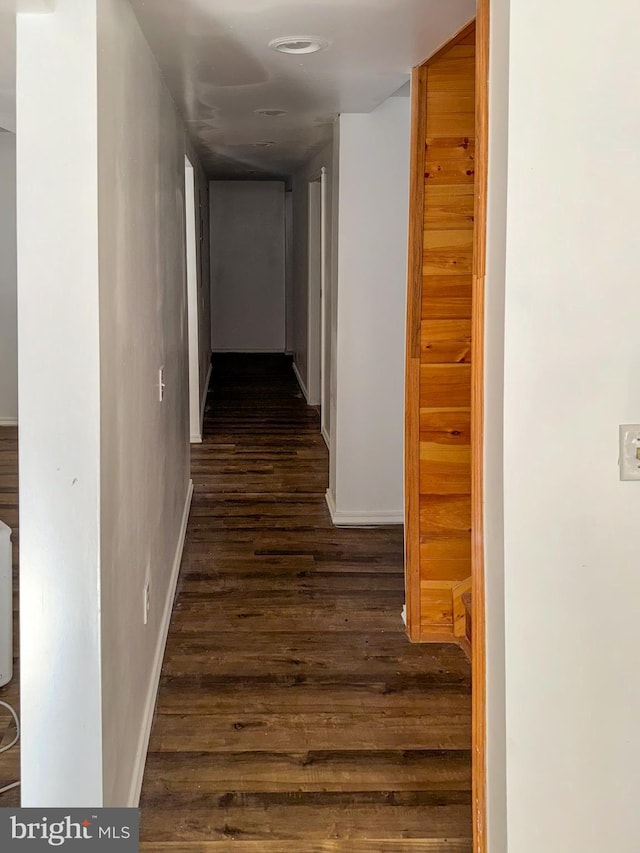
294, 716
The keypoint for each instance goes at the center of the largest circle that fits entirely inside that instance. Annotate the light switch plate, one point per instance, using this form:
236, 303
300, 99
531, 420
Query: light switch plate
161, 385
629, 459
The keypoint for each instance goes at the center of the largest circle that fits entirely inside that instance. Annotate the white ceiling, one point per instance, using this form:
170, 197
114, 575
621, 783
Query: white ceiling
7, 70
216, 60
8, 9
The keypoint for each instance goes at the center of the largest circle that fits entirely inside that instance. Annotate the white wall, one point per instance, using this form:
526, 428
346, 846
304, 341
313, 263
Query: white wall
372, 280
143, 326
104, 465
7, 67
571, 364
300, 296
203, 259
59, 398
248, 312
8, 283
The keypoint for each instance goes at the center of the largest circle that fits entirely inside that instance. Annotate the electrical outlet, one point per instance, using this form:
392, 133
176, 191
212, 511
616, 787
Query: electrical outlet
161, 385
146, 595
629, 452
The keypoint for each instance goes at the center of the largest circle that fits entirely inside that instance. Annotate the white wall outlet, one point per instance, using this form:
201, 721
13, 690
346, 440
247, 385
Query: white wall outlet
146, 595
629, 460
161, 385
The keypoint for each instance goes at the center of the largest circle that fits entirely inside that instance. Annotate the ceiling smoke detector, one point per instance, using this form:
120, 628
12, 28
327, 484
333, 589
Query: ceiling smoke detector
271, 113
298, 44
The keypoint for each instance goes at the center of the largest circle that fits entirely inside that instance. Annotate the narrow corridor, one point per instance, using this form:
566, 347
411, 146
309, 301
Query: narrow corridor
294, 716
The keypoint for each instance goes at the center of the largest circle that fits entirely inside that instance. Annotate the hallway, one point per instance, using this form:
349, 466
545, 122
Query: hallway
293, 713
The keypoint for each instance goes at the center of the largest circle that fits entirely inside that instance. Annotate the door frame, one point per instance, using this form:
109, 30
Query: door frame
191, 262
315, 285
325, 317
412, 425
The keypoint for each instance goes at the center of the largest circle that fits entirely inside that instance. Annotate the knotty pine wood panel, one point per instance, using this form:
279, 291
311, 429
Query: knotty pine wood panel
293, 712
449, 208
446, 426
447, 251
437, 607
453, 71
445, 341
449, 547
444, 525
446, 297
441, 570
449, 161
444, 519
445, 386
451, 124
444, 470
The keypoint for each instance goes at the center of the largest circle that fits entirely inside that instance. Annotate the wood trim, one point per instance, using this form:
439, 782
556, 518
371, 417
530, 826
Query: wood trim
414, 304
478, 650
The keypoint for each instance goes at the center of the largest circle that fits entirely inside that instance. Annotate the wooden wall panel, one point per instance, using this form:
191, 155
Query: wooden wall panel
439, 376
446, 296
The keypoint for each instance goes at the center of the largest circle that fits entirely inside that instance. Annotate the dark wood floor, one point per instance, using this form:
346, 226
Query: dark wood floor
294, 716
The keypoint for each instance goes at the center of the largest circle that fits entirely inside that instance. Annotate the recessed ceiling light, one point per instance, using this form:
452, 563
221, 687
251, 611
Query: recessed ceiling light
271, 113
298, 44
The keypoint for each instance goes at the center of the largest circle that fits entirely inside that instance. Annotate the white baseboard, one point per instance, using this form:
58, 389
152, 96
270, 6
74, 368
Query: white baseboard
331, 503
196, 438
154, 683
203, 404
340, 518
8, 422
303, 387
325, 435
